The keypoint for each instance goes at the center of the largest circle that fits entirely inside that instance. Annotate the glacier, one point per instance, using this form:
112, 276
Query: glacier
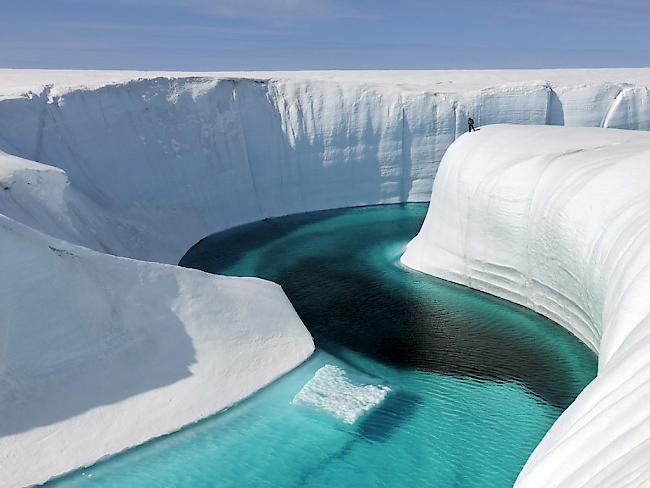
108, 177
99, 353
204, 152
556, 219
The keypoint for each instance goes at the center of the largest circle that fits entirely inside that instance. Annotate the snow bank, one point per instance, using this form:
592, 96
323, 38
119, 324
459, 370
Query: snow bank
100, 353
557, 219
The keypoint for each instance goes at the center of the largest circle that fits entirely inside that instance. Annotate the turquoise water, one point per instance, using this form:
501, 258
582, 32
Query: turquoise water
475, 382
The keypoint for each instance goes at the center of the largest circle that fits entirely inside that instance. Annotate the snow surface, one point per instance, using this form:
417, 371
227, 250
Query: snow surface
557, 219
100, 164
332, 391
100, 353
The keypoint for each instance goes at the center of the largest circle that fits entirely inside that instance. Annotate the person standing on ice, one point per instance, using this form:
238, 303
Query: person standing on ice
470, 124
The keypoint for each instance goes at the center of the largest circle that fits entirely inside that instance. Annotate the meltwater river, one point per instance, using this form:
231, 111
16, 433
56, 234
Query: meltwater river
415, 381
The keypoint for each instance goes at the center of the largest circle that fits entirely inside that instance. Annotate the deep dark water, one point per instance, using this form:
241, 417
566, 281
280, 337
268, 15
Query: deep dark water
339, 269
475, 382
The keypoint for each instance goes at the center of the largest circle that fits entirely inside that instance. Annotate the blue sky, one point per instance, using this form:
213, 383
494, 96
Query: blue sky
322, 34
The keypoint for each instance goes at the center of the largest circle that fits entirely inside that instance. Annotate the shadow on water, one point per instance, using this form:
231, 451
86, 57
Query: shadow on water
396, 410
376, 426
360, 313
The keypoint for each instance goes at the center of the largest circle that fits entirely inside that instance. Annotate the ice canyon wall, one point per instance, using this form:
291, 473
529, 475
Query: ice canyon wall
198, 154
556, 219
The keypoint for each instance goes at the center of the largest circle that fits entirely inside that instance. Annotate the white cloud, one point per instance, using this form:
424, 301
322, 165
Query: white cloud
587, 9
270, 9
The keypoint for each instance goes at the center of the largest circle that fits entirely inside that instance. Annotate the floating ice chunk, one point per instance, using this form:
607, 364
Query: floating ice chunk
331, 390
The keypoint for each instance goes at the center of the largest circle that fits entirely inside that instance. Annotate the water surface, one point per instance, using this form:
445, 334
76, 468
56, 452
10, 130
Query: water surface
475, 382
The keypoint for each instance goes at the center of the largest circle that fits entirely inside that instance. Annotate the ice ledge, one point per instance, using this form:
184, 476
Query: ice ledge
128, 156
100, 353
557, 219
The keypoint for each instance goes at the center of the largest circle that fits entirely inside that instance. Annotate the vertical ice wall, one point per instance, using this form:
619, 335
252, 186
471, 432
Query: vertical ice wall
199, 154
556, 219
100, 353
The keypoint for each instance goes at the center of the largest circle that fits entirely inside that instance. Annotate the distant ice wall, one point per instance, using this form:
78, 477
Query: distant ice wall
200, 154
557, 219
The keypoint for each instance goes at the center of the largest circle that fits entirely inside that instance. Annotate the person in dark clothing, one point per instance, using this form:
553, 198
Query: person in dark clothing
470, 124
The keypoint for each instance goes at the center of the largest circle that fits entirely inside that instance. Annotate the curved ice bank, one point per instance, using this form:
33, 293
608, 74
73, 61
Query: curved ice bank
557, 219
100, 353
202, 152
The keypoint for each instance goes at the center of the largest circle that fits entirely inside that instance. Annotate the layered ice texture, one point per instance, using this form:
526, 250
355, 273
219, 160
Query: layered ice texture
556, 219
99, 352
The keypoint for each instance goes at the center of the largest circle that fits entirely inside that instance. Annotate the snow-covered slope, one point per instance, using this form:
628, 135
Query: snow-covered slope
557, 219
100, 353
200, 153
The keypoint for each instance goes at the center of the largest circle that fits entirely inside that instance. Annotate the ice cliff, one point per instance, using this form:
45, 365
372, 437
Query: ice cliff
556, 219
200, 153
99, 352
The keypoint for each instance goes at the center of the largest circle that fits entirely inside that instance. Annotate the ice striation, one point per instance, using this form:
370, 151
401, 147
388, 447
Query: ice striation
98, 167
199, 153
556, 219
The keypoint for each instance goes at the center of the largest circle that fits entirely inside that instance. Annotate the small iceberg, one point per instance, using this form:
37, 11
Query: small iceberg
332, 391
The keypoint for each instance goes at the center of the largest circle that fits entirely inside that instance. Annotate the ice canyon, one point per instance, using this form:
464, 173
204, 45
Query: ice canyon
97, 167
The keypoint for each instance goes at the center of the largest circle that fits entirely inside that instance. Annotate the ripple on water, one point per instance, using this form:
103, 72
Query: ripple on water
474, 381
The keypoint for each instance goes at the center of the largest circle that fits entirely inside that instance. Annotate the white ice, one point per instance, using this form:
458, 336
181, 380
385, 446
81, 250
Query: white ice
557, 219
332, 391
100, 353
198, 153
